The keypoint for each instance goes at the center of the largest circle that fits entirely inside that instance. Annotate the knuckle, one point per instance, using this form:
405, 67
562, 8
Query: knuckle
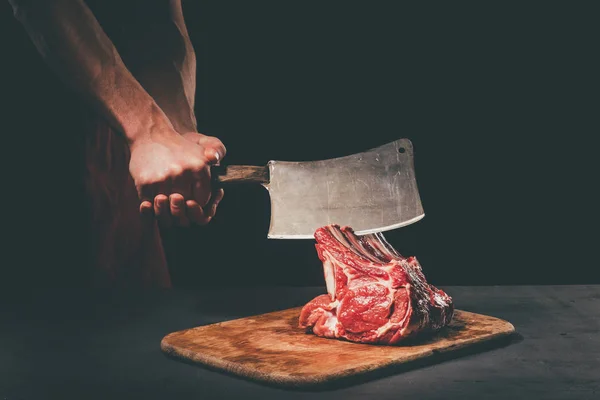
216, 140
150, 179
160, 178
175, 170
197, 164
220, 147
143, 180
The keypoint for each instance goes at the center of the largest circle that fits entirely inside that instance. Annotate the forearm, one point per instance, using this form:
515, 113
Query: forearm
159, 53
173, 88
73, 44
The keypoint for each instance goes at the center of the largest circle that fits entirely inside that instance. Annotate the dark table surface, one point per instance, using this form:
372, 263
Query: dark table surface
107, 346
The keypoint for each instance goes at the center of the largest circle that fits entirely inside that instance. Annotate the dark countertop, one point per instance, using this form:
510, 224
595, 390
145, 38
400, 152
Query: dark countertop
100, 346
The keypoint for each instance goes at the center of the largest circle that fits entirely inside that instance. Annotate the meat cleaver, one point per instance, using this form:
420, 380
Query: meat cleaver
373, 191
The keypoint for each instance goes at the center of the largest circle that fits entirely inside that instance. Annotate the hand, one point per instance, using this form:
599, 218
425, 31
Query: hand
214, 149
172, 176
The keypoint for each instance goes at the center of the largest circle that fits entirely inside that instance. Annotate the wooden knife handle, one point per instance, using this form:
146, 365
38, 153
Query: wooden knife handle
240, 174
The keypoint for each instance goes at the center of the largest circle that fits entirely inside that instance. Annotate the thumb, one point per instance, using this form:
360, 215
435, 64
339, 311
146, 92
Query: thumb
212, 155
214, 150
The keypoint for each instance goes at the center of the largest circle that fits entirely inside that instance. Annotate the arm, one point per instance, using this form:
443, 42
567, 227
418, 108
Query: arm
168, 170
159, 53
73, 44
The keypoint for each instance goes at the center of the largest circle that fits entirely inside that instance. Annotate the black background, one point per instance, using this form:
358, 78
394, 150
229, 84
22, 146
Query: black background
498, 100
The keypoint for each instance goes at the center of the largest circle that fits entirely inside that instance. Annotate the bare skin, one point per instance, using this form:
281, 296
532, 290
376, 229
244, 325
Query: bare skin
169, 160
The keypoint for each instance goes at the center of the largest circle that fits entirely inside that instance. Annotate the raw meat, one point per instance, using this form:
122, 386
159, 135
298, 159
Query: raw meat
375, 295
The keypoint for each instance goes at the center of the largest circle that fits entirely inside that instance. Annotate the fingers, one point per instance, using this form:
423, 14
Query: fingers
195, 212
182, 207
214, 149
162, 210
211, 209
200, 194
177, 188
146, 208
182, 183
216, 199
202, 216
178, 210
212, 155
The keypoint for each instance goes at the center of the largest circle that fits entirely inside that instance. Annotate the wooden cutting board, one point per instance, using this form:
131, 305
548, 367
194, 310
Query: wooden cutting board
271, 349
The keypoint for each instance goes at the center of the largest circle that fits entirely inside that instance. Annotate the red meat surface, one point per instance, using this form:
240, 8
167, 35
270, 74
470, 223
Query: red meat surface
375, 295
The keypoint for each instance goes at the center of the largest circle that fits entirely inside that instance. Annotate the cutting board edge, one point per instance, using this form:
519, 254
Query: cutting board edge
314, 381
239, 371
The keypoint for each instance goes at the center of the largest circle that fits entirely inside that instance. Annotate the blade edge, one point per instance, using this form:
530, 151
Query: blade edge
359, 233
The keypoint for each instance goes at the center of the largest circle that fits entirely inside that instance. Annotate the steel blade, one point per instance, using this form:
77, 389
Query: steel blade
373, 191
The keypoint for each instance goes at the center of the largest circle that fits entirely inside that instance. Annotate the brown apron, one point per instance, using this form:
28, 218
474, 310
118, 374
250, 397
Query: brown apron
126, 250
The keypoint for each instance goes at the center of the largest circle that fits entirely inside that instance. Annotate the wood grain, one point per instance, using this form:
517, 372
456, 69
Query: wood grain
241, 174
271, 349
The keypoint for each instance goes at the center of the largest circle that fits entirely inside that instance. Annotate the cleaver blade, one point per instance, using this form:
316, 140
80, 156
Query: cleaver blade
372, 191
